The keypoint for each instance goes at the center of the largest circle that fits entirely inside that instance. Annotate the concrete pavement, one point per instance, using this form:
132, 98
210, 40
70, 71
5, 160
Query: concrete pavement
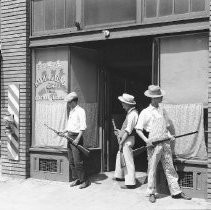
103, 194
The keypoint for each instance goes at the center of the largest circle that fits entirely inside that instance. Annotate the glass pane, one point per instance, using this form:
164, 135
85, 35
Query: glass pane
198, 5
108, 11
165, 7
49, 14
60, 13
38, 15
70, 13
181, 6
150, 8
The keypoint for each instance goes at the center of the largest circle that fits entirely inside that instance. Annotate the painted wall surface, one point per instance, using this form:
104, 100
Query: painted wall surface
184, 68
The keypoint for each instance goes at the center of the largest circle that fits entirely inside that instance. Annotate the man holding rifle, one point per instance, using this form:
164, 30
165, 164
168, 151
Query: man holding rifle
126, 140
155, 122
75, 128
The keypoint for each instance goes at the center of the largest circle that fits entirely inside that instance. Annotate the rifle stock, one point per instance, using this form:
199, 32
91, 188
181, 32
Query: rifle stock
84, 150
142, 149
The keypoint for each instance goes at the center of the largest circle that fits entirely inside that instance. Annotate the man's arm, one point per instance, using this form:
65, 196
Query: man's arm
76, 141
141, 134
82, 117
142, 120
124, 137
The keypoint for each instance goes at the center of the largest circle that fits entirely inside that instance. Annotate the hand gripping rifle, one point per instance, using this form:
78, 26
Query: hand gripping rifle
122, 159
142, 149
85, 151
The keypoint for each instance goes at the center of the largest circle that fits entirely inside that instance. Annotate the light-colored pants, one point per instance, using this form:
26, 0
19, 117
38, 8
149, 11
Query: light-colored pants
162, 152
127, 172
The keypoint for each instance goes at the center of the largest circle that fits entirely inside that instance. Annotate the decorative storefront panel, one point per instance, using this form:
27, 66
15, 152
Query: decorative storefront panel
51, 86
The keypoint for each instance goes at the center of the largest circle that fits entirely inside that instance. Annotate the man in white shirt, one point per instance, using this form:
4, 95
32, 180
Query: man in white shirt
76, 125
126, 140
155, 122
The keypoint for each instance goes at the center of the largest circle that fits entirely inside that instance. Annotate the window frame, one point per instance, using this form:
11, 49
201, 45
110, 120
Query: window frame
53, 31
139, 20
173, 16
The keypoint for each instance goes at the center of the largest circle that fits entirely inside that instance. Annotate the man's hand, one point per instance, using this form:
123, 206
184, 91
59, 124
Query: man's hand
76, 141
149, 143
62, 132
172, 138
117, 132
120, 147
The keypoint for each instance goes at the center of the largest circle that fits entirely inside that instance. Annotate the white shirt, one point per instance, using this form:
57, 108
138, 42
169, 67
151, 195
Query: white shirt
147, 115
130, 121
77, 120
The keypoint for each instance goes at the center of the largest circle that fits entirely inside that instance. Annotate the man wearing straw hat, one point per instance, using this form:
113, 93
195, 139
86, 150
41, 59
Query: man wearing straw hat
75, 128
126, 140
155, 122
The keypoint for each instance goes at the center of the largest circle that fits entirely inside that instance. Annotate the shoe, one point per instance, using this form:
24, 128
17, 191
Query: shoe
152, 198
75, 183
128, 187
182, 196
84, 184
118, 179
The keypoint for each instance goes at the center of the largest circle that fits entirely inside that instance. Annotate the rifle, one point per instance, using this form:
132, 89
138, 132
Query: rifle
84, 150
122, 159
142, 149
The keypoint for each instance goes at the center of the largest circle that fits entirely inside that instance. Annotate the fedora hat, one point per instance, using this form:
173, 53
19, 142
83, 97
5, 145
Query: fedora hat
154, 91
127, 98
69, 97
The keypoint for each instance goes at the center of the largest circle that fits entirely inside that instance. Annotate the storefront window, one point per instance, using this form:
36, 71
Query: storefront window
51, 86
53, 14
165, 7
197, 5
151, 8
109, 11
49, 14
171, 8
181, 6
184, 76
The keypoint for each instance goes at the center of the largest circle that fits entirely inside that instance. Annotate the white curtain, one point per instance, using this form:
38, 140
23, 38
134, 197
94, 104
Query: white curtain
188, 118
54, 114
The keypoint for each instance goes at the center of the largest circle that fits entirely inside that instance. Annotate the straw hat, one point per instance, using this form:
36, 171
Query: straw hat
154, 91
69, 97
126, 98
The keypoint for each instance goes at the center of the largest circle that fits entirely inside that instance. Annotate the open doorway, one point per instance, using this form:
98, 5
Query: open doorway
128, 65
125, 66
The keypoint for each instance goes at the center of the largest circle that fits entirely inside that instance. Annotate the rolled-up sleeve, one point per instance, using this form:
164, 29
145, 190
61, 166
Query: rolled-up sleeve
131, 122
82, 117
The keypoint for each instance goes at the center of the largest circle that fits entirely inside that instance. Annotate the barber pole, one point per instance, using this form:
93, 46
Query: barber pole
13, 109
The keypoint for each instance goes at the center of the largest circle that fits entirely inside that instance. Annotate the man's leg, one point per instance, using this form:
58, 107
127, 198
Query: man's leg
129, 169
170, 172
154, 154
72, 167
79, 166
119, 173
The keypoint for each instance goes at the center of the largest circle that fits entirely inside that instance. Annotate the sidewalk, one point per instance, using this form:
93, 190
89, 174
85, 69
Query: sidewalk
103, 194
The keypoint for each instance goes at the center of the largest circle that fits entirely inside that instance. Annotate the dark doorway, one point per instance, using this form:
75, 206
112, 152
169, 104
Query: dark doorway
129, 70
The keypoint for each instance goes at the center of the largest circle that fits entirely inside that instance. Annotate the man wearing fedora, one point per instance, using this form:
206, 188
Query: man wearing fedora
153, 123
126, 140
76, 125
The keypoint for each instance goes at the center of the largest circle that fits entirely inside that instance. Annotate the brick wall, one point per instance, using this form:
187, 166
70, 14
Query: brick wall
15, 69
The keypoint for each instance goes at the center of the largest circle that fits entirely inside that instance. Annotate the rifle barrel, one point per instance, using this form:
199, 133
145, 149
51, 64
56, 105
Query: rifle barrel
81, 148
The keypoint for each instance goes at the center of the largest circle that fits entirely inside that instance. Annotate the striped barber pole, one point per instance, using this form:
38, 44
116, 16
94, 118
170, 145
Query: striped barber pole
13, 109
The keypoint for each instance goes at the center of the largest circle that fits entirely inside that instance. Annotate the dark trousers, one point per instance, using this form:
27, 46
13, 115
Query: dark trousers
76, 161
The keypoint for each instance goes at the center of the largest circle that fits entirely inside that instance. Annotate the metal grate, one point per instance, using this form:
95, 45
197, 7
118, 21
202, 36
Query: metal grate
186, 179
47, 165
